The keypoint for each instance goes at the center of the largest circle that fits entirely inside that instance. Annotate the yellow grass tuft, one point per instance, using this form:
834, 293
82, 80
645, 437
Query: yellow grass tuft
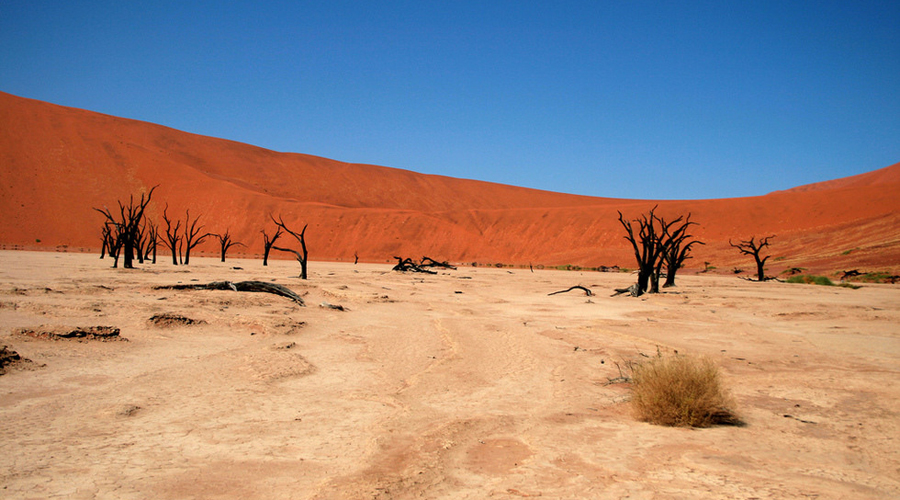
682, 391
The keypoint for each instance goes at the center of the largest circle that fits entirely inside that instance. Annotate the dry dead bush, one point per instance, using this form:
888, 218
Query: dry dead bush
683, 391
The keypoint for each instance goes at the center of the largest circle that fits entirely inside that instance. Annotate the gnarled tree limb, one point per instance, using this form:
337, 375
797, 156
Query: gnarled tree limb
240, 286
576, 287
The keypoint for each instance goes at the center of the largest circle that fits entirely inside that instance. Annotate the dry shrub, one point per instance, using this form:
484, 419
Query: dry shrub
683, 391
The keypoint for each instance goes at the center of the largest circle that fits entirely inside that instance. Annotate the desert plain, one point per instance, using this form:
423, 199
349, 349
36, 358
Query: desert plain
471, 383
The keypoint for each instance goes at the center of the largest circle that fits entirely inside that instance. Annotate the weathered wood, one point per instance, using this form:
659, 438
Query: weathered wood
429, 262
576, 287
240, 286
406, 265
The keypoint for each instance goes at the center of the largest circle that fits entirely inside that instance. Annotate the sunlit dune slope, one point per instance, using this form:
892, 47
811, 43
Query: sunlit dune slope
57, 163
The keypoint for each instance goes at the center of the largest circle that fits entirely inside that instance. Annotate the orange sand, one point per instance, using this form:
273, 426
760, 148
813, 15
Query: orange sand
59, 162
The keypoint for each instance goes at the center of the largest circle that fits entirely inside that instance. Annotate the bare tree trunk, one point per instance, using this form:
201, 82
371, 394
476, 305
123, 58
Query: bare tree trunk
303, 255
192, 236
225, 242
173, 236
751, 247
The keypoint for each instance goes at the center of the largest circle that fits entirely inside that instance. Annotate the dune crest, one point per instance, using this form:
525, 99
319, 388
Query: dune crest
59, 162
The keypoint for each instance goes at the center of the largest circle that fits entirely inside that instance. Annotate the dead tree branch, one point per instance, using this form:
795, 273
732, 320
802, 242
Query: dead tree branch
429, 262
268, 243
240, 286
407, 265
576, 287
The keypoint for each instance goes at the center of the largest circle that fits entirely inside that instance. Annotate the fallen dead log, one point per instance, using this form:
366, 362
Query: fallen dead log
240, 286
851, 274
576, 287
408, 265
429, 262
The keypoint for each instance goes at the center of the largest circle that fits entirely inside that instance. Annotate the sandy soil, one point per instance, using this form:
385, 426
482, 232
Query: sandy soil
473, 383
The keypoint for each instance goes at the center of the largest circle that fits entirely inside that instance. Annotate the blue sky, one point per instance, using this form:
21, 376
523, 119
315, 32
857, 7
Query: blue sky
633, 99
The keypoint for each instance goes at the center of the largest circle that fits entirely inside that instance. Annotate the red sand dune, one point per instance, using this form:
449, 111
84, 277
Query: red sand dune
59, 162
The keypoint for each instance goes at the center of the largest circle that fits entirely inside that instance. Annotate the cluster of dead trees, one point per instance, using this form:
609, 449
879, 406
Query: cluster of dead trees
126, 232
658, 242
129, 233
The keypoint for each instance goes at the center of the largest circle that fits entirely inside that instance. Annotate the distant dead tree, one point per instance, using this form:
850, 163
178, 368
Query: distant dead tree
104, 236
658, 242
225, 242
268, 243
192, 235
111, 243
173, 236
752, 247
148, 238
302, 255
126, 225
151, 241
140, 241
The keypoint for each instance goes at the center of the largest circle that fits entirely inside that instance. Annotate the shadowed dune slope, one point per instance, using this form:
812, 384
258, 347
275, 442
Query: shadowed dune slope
57, 163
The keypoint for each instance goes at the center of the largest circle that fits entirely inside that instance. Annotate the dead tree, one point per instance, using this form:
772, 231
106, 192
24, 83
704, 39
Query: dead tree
268, 243
151, 241
173, 236
677, 248
192, 235
104, 235
225, 242
140, 242
647, 248
302, 255
111, 243
664, 242
126, 225
658, 243
751, 247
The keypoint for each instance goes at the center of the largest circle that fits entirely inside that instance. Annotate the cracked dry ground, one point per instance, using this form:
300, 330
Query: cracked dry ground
472, 383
